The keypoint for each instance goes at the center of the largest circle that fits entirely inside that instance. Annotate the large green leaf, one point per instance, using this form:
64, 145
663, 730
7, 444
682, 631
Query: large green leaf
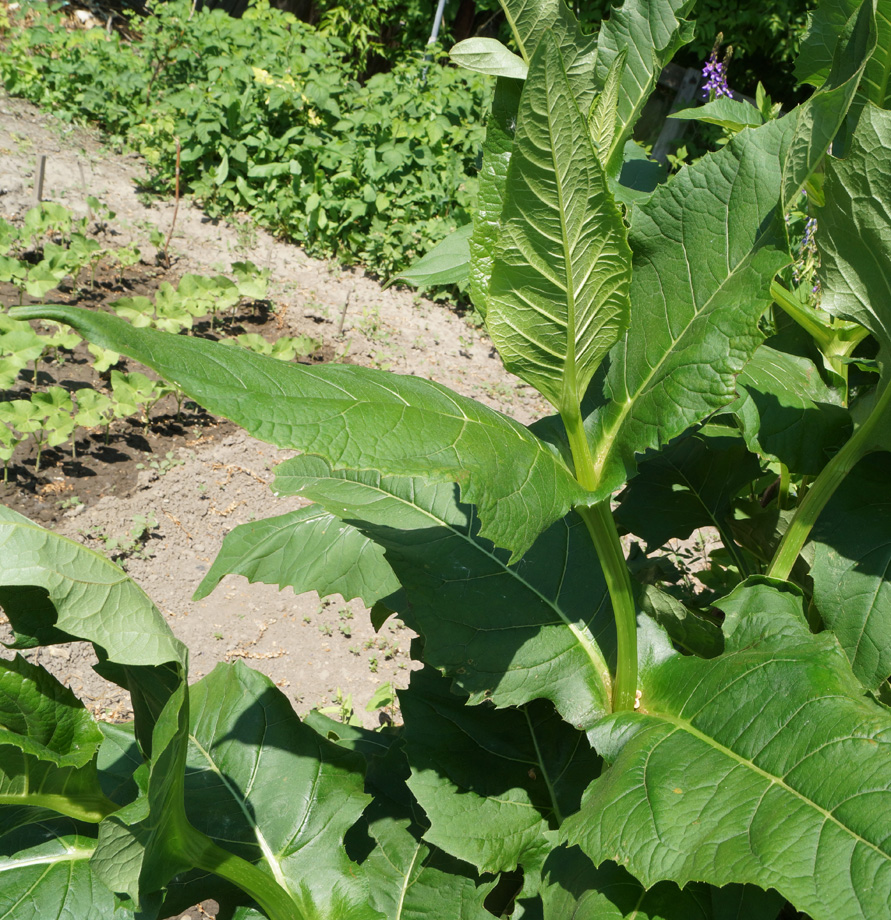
531, 20
359, 418
307, 550
786, 411
408, 878
651, 31
576, 889
45, 872
690, 484
697, 292
90, 597
497, 149
493, 782
489, 56
558, 295
264, 785
852, 568
542, 627
854, 236
48, 745
766, 765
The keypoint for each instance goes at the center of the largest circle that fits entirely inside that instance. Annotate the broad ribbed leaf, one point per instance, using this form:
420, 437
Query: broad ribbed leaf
854, 235
91, 598
408, 879
706, 246
558, 296
767, 765
48, 745
531, 20
489, 56
359, 418
649, 32
697, 292
828, 24
510, 633
691, 484
492, 782
786, 411
576, 889
307, 550
497, 149
45, 873
264, 785
852, 568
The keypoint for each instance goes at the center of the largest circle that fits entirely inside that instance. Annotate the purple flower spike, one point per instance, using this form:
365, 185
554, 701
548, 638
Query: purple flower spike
715, 78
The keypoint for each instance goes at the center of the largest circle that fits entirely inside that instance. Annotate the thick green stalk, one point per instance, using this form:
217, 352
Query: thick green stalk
198, 850
824, 486
602, 528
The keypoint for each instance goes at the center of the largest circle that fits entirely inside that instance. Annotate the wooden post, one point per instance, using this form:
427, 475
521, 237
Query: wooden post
38, 178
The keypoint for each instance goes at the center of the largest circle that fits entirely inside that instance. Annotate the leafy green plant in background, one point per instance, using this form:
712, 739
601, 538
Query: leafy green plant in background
578, 741
270, 119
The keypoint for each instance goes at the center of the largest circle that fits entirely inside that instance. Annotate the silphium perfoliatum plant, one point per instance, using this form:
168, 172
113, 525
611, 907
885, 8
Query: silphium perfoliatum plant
577, 742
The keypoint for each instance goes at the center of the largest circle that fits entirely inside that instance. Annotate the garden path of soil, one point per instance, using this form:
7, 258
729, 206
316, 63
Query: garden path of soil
199, 476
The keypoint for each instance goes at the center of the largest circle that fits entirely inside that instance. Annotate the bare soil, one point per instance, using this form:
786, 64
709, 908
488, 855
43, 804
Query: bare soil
196, 477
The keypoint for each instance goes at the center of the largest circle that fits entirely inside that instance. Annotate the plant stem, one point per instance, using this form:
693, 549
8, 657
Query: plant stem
602, 529
89, 808
275, 902
824, 486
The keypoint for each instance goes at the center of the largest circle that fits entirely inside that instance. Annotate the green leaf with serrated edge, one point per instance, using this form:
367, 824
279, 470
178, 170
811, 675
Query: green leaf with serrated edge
531, 20
475, 768
786, 412
497, 149
687, 629
307, 550
649, 32
542, 627
767, 766
489, 56
733, 114
699, 287
92, 598
575, 888
448, 262
243, 740
852, 559
690, 484
361, 418
854, 238
603, 114
408, 878
48, 745
45, 872
558, 295
826, 24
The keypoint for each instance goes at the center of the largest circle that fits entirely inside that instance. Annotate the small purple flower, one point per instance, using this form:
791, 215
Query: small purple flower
715, 76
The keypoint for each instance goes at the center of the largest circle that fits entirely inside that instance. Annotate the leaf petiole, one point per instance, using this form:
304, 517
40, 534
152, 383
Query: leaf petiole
824, 486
